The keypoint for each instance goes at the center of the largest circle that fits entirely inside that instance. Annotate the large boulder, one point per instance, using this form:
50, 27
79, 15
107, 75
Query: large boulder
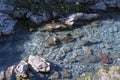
39, 64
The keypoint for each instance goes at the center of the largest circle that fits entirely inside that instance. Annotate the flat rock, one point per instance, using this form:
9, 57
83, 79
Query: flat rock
39, 64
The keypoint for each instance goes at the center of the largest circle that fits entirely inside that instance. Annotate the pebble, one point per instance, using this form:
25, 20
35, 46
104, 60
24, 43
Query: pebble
55, 75
66, 74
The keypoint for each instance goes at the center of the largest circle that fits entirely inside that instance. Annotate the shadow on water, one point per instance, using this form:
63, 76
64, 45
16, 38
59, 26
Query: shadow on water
11, 46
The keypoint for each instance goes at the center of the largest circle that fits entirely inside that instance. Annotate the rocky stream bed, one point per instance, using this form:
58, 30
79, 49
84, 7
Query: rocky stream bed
91, 46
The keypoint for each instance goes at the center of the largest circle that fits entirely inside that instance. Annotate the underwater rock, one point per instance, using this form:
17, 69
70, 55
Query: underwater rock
39, 64
22, 69
70, 20
65, 74
87, 50
54, 27
55, 75
105, 58
52, 41
65, 37
2, 75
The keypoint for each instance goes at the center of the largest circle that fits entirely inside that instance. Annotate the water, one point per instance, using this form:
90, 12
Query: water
22, 43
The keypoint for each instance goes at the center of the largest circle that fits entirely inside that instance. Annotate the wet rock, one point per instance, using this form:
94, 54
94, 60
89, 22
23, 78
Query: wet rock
37, 19
10, 74
39, 64
93, 59
85, 42
2, 76
65, 74
6, 24
70, 20
71, 60
105, 58
55, 75
99, 6
22, 69
87, 50
53, 41
54, 27
65, 37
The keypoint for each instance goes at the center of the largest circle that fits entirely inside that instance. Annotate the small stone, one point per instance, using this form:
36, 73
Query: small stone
93, 59
85, 42
55, 75
71, 60
65, 37
105, 58
52, 41
65, 74
39, 64
87, 50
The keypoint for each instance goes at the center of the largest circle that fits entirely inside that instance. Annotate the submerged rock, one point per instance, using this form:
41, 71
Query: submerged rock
52, 41
22, 69
55, 75
65, 37
39, 64
54, 27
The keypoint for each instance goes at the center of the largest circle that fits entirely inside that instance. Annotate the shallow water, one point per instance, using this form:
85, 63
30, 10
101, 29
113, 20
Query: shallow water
105, 33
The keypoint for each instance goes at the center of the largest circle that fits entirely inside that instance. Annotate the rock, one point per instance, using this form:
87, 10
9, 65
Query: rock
65, 37
55, 75
99, 6
105, 58
93, 59
54, 27
85, 42
37, 19
87, 50
70, 20
39, 64
2, 76
10, 74
22, 69
53, 41
6, 24
66, 74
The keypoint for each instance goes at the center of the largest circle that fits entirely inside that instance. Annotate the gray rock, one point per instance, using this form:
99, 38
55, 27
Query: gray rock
39, 64
22, 69
10, 74
111, 3
6, 24
99, 6
38, 19
74, 17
